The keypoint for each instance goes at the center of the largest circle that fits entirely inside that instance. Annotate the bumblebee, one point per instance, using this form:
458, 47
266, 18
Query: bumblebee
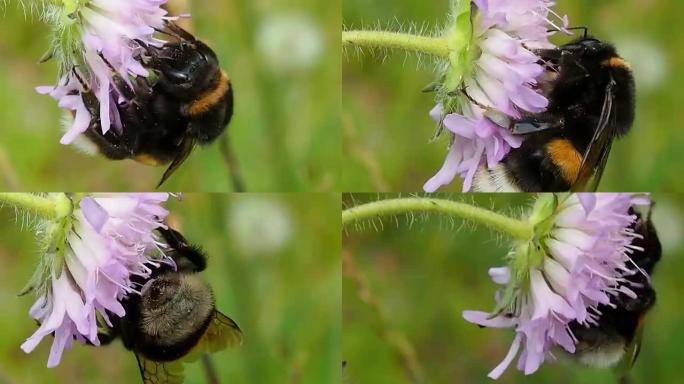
616, 339
591, 102
189, 102
174, 320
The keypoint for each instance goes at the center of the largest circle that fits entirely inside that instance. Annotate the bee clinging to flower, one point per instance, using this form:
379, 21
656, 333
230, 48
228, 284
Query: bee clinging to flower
138, 86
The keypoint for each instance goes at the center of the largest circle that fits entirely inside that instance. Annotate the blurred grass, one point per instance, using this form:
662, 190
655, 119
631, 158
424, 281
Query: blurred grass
285, 130
426, 273
385, 121
284, 294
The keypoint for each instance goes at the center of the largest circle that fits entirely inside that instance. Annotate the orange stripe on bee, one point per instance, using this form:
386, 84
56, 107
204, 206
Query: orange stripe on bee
642, 319
564, 155
617, 62
148, 160
210, 99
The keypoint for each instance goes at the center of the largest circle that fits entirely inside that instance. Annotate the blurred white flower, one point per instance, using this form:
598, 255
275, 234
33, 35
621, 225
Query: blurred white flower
290, 42
259, 225
648, 61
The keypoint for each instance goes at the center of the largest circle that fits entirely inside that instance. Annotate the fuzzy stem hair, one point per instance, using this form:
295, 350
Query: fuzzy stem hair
47, 207
515, 228
434, 46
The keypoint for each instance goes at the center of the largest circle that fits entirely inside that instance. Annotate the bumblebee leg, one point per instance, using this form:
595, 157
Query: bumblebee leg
645, 299
143, 91
173, 238
107, 143
540, 122
120, 82
179, 32
107, 336
549, 55
464, 91
135, 123
187, 256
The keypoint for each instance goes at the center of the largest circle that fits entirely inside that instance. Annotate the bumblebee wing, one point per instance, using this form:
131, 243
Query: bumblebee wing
185, 149
596, 155
624, 368
635, 348
222, 333
155, 372
524, 128
600, 166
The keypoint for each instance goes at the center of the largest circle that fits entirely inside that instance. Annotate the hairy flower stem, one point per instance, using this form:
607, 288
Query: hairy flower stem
515, 228
49, 207
209, 369
434, 46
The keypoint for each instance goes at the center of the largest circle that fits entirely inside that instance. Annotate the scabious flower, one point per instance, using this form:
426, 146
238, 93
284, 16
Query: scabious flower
93, 253
91, 36
500, 83
581, 261
474, 139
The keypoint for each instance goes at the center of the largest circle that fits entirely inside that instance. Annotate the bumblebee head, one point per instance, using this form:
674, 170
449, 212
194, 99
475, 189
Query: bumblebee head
186, 68
588, 48
159, 292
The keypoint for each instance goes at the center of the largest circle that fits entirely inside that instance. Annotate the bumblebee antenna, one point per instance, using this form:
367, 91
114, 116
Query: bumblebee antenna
585, 29
163, 32
182, 33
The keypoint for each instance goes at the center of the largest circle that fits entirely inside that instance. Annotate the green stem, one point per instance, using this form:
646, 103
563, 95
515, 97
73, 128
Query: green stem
209, 369
515, 228
434, 46
53, 207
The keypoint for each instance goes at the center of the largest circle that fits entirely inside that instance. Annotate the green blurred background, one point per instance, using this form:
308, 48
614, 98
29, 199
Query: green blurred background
424, 275
385, 123
283, 58
274, 266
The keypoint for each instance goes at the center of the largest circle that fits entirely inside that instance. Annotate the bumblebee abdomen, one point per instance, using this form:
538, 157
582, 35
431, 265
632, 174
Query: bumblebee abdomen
617, 62
544, 163
214, 97
565, 156
210, 112
175, 311
624, 103
147, 159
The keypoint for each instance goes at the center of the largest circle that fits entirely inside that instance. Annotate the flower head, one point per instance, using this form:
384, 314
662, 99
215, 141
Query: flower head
580, 261
497, 82
92, 255
474, 139
96, 41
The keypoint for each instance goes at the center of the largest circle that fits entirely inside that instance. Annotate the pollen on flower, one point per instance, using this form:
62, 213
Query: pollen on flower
92, 254
500, 84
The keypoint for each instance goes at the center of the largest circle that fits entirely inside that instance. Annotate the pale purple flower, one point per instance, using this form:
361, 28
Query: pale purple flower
474, 138
109, 29
587, 263
111, 239
501, 85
